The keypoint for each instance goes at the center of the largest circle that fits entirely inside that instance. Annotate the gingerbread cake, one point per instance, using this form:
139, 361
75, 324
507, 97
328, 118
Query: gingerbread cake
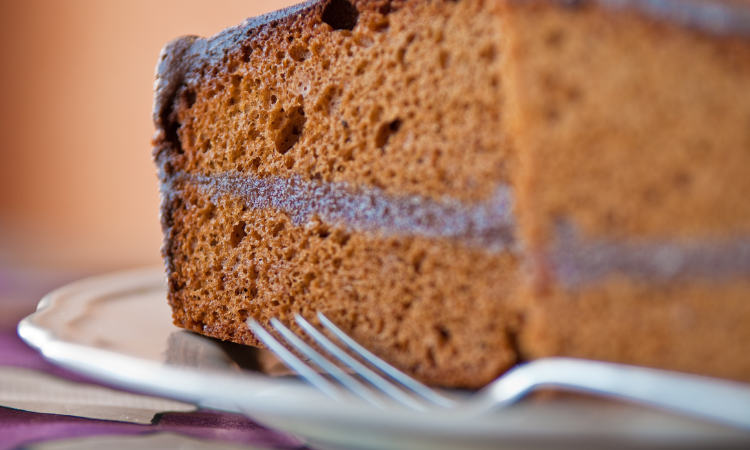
462, 185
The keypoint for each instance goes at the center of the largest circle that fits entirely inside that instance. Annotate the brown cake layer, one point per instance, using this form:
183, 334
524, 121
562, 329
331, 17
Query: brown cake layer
406, 97
628, 126
699, 327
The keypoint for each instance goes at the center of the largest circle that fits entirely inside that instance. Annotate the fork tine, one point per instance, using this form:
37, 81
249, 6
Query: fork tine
378, 381
332, 369
417, 387
293, 362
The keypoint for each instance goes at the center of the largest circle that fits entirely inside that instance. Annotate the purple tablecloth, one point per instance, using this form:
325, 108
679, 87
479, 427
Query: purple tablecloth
19, 428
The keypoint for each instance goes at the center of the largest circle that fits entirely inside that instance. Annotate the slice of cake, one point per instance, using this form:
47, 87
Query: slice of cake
632, 122
461, 185
346, 158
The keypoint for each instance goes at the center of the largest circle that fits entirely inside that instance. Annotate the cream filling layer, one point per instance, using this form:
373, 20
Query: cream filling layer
714, 16
578, 260
489, 224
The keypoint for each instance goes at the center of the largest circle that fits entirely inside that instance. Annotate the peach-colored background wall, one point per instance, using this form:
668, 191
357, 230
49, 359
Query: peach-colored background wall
77, 186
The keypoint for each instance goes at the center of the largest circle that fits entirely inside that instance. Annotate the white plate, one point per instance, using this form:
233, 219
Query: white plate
117, 328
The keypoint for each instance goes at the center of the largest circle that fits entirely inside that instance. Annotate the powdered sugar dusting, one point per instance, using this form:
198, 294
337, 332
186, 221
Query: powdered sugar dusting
578, 260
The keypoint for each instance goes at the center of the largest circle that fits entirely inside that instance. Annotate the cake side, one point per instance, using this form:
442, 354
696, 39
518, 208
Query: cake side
632, 188
347, 158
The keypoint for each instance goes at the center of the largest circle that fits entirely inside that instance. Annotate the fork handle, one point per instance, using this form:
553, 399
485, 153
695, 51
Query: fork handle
718, 400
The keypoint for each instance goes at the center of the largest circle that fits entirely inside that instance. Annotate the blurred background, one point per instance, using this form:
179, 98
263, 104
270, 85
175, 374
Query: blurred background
78, 190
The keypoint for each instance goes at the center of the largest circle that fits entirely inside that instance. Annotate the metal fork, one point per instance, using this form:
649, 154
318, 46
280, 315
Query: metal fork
717, 400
